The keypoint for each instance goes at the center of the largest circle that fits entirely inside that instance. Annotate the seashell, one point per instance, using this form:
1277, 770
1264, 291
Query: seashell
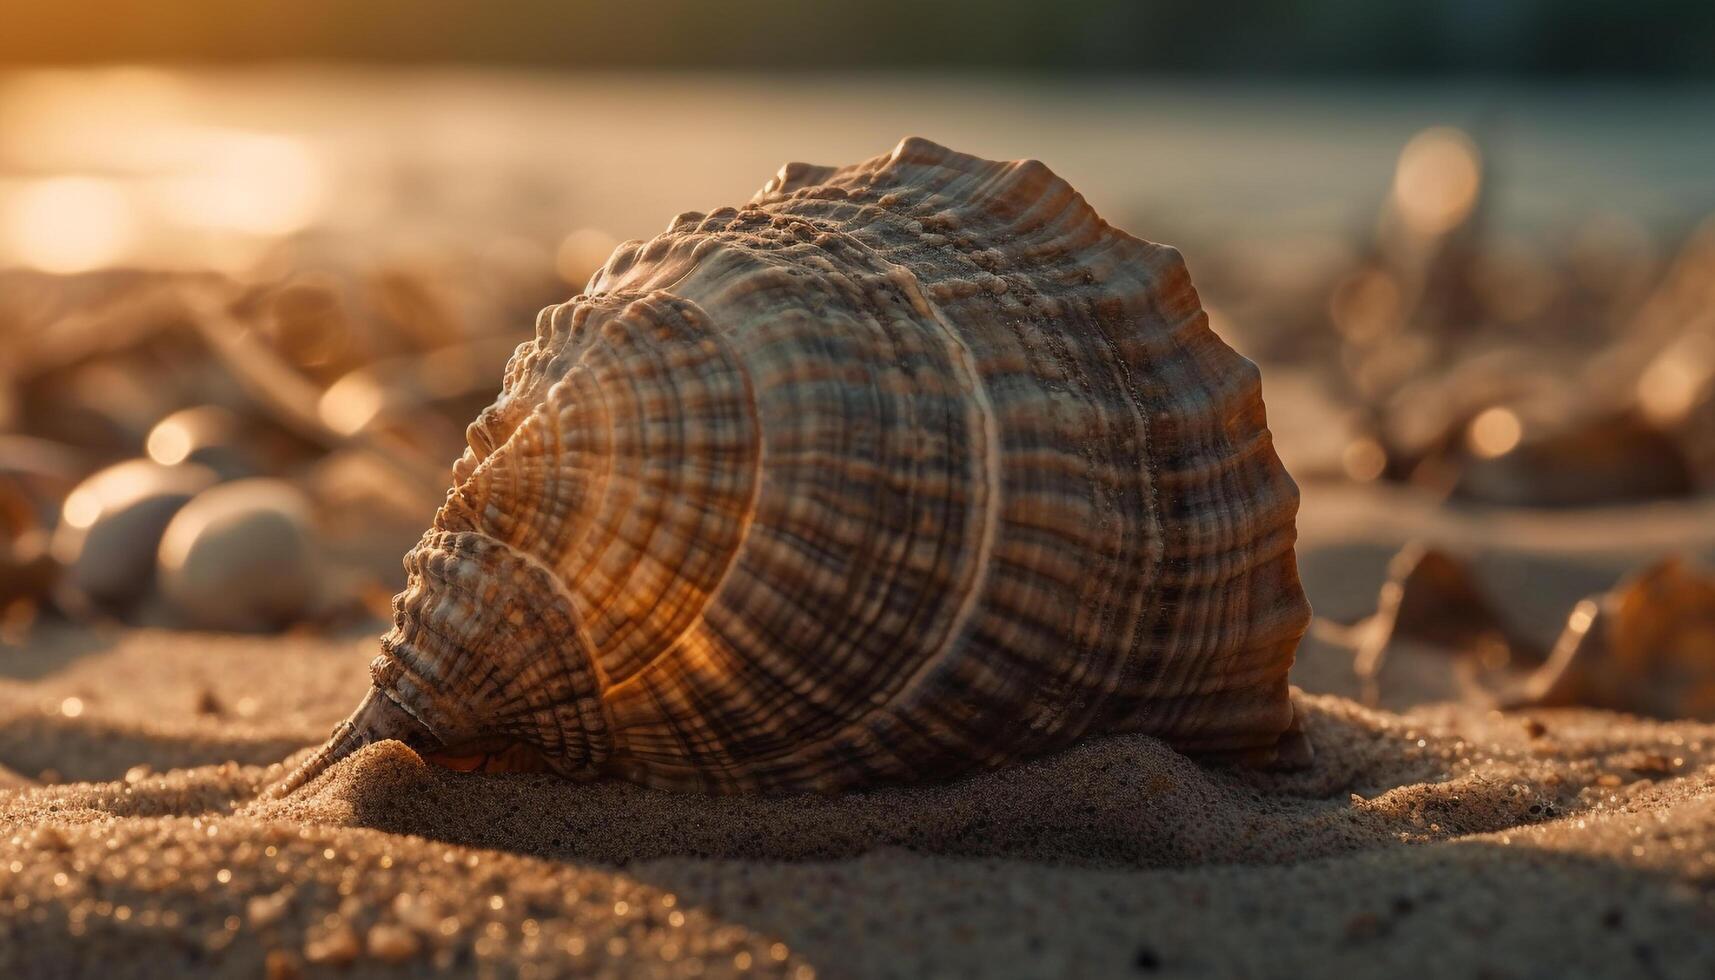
1434, 600
112, 524
902, 470
1433, 597
1647, 647
241, 557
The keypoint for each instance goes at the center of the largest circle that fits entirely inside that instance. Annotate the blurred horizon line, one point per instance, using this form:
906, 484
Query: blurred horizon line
1333, 83
1552, 40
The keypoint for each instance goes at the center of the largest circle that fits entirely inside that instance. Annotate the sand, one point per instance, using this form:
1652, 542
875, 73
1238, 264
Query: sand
1446, 839
1433, 836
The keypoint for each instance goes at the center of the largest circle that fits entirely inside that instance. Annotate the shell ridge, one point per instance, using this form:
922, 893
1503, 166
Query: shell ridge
779, 676
552, 574
443, 625
1236, 547
1032, 193
506, 456
572, 558
653, 324
630, 477
746, 520
602, 473
983, 412
995, 181
1168, 694
1150, 536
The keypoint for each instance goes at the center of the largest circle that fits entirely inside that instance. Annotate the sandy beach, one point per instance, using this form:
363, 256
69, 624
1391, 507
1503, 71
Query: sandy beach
1434, 835
1412, 265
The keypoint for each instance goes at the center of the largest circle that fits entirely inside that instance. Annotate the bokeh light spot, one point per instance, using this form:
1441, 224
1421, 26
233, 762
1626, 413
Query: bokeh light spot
351, 403
1495, 432
1436, 183
1669, 387
82, 508
169, 443
1364, 459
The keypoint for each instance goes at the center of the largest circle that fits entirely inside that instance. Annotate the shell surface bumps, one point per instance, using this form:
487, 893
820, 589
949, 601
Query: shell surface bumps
903, 469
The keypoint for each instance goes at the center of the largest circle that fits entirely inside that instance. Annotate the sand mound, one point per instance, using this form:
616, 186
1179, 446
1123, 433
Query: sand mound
1380, 781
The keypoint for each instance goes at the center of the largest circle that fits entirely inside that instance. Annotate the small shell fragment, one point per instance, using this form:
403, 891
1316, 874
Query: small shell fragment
1645, 647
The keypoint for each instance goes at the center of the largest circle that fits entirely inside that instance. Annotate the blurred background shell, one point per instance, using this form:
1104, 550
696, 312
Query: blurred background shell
111, 526
241, 557
1646, 647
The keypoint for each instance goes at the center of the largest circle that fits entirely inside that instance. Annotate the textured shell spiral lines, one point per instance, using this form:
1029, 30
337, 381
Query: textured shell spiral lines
901, 470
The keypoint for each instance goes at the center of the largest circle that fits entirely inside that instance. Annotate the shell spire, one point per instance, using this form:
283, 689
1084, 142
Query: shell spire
377, 719
900, 470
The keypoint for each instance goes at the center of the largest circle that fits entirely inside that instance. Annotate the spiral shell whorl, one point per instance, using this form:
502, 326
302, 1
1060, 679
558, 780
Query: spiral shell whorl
484, 648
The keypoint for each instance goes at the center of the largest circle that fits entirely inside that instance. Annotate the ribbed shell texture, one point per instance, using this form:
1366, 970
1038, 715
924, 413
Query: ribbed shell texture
902, 469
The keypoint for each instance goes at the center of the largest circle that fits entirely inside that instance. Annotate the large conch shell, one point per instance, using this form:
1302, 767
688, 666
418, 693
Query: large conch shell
903, 469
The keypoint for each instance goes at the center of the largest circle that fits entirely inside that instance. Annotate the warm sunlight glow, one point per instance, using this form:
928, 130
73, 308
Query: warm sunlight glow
352, 403
581, 253
1437, 180
256, 183
1495, 432
1582, 616
1670, 385
169, 442
82, 508
70, 224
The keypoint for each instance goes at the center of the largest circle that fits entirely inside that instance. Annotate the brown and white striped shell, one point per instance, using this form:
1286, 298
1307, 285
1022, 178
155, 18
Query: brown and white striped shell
903, 469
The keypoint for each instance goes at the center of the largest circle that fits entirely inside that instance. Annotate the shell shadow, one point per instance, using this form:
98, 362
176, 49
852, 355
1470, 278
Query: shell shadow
93, 750
33, 661
1472, 907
